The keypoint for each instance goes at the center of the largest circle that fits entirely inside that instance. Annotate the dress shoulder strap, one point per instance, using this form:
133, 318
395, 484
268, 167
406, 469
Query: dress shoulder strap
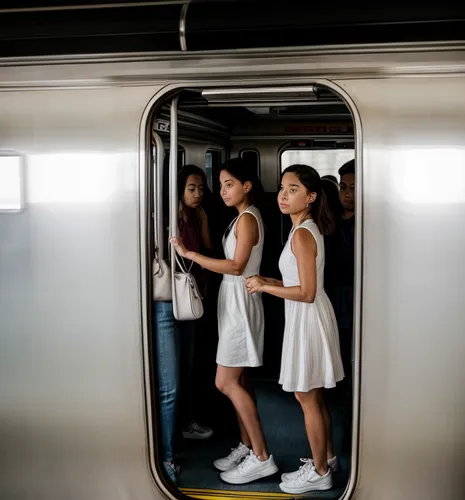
310, 226
253, 210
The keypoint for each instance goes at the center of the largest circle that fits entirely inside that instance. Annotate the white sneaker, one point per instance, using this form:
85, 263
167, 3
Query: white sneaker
308, 480
288, 476
234, 458
250, 469
197, 431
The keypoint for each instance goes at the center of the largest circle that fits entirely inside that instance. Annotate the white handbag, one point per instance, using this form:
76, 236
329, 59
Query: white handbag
161, 280
187, 300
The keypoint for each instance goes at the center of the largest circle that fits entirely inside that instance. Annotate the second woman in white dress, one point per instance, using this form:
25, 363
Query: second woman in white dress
240, 320
311, 359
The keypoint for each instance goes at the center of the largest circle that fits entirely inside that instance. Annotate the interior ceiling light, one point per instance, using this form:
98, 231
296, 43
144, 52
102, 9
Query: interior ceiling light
260, 97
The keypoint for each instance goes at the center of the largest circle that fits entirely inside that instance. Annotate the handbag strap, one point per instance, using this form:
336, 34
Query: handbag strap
182, 265
189, 276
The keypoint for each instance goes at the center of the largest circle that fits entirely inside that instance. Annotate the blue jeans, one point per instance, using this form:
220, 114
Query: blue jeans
167, 356
187, 341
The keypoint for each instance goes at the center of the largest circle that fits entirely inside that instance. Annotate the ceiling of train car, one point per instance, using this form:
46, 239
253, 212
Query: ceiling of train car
328, 107
30, 28
325, 118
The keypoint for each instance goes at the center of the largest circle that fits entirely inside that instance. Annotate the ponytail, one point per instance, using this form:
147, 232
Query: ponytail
322, 214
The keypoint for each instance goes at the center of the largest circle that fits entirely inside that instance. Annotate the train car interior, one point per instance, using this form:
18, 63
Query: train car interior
271, 130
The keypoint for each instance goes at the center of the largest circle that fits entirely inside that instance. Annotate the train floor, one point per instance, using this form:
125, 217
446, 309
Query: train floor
284, 430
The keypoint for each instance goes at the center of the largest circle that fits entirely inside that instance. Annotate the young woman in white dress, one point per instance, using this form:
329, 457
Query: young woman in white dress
240, 320
311, 359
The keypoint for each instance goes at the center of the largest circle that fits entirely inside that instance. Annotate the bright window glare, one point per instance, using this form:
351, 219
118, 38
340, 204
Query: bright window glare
10, 183
430, 175
79, 177
324, 161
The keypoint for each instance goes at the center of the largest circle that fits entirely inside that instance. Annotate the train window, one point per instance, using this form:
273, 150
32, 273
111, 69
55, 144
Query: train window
181, 158
252, 157
212, 163
325, 161
11, 183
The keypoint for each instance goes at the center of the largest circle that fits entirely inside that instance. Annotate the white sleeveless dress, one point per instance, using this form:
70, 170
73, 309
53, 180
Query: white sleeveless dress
241, 322
311, 356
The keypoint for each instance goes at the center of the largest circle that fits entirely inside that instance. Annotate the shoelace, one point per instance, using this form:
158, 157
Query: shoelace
197, 427
305, 461
249, 459
234, 452
308, 462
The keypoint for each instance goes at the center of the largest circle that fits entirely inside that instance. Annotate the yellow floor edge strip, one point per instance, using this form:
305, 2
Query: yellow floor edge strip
237, 494
207, 494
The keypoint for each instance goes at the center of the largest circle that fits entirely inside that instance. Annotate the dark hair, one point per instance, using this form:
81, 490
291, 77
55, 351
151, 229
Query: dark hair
319, 209
184, 174
243, 172
347, 168
332, 197
330, 178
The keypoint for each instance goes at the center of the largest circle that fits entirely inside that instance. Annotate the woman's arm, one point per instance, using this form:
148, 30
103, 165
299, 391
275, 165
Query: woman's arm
246, 231
268, 281
304, 249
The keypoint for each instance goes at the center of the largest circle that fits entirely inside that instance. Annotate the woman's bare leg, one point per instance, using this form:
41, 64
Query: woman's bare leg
311, 403
228, 381
244, 381
329, 430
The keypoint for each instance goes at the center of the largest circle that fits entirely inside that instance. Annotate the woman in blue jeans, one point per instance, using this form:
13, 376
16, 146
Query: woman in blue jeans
167, 348
175, 341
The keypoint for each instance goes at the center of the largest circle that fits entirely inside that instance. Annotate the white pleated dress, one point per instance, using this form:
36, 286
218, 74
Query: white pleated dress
241, 322
311, 356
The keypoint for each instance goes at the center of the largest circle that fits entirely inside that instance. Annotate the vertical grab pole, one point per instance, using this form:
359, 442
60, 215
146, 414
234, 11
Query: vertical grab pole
173, 184
158, 196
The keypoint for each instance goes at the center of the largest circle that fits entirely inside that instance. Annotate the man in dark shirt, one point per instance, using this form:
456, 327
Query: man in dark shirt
345, 280
339, 283
339, 265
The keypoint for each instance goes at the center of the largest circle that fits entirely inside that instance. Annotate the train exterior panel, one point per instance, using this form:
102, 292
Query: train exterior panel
74, 408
